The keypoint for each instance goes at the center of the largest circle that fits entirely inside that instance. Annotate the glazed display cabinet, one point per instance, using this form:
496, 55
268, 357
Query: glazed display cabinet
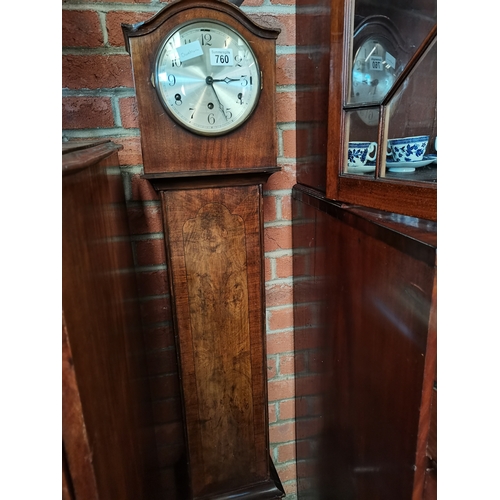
383, 93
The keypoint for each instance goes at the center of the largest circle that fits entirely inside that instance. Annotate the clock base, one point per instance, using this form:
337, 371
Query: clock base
266, 490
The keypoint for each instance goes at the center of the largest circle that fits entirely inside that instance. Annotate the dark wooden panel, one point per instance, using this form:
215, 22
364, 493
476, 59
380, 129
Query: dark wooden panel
363, 312
432, 441
430, 488
67, 486
78, 473
215, 250
104, 337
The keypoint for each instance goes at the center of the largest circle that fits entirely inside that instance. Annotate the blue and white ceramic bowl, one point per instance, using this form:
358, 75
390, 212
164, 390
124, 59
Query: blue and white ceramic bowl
360, 152
407, 149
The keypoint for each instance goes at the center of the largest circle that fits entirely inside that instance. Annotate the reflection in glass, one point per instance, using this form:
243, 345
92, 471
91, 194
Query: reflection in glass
386, 34
361, 150
412, 124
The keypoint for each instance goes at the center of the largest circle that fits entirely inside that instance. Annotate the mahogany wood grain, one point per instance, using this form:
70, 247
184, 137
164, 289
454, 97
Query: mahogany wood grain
430, 489
105, 400
430, 479
67, 486
214, 241
365, 307
398, 197
432, 442
167, 146
78, 475
428, 393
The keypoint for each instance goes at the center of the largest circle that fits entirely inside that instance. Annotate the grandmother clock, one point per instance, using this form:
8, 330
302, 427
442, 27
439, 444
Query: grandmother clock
205, 85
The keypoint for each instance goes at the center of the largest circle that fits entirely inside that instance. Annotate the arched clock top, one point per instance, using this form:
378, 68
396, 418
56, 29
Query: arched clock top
181, 7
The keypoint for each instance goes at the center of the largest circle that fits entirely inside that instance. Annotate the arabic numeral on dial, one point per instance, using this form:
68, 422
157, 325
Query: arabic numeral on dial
178, 99
211, 118
192, 114
176, 63
228, 114
206, 39
171, 80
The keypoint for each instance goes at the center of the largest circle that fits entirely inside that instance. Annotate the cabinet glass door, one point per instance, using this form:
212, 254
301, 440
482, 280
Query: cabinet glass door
383, 122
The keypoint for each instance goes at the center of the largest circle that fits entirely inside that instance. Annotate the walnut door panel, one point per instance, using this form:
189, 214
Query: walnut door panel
214, 244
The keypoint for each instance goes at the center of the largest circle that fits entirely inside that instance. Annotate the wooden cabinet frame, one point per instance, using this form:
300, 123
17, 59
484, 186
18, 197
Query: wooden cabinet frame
409, 198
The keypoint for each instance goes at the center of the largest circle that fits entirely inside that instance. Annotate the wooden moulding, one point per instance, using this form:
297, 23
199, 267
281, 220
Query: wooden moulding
79, 155
243, 177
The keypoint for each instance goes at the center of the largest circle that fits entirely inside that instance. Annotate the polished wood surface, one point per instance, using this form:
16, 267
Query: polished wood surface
365, 329
430, 479
80, 482
106, 440
168, 147
214, 242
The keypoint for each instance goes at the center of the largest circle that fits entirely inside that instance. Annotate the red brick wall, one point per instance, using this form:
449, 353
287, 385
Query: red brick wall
99, 101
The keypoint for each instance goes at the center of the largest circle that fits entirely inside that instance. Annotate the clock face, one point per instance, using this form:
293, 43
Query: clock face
373, 71
207, 77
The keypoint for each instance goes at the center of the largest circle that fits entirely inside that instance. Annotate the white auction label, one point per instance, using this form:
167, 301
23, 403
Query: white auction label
189, 51
221, 57
390, 60
376, 63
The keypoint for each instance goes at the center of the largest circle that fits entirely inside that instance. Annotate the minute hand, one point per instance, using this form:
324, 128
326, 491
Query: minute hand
210, 81
227, 80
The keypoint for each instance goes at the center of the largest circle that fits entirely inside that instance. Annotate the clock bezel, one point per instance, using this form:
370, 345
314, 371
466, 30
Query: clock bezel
258, 85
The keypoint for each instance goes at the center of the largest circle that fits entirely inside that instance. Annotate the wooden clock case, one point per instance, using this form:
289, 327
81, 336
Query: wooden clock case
211, 197
167, 148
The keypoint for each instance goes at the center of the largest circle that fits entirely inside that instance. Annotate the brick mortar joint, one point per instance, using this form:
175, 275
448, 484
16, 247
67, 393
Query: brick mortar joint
266, 8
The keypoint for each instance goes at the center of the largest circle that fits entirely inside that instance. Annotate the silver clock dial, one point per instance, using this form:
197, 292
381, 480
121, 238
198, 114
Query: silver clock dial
373, 72
207, 77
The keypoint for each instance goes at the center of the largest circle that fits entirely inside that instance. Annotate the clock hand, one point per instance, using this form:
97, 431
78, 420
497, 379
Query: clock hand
226, 80
210, 81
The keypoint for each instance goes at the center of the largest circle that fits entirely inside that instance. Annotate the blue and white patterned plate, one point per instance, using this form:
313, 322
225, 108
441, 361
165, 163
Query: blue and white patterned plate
365, 169
410, 166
